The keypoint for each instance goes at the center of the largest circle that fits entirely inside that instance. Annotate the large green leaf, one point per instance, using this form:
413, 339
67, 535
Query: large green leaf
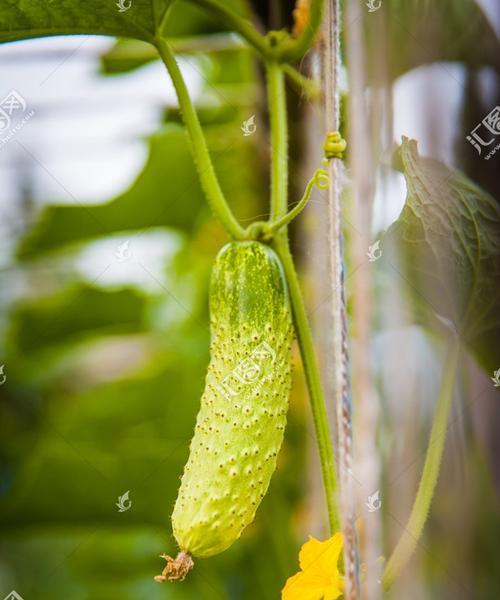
405, 34
60, 510
37, 18
129, 54
446, 245
167, 192
21, 19
65, 316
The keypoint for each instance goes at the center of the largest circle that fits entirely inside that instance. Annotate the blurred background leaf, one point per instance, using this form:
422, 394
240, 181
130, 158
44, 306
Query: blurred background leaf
446, 244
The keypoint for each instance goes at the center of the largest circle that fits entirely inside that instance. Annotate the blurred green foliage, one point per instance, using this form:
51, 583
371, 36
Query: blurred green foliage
104, 381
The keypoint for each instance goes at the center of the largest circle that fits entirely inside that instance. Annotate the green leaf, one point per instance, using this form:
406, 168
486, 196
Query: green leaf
167, 192
447, 243
65, 316
128, 54
412, 33
22, 19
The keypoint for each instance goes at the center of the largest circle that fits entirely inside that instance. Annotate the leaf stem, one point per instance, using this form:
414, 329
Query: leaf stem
238, 24
279, 140
317, 400
279, 205
413, 530
309, 86
199, 148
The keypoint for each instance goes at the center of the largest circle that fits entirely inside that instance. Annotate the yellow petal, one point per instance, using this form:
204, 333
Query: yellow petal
319, 578
333, 592
301, 587
320, 558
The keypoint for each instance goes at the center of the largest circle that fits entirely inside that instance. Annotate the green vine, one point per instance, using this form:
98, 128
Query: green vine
204, 165
279, 140
279, 206
287, 49
306, 344
413, 530
238, 24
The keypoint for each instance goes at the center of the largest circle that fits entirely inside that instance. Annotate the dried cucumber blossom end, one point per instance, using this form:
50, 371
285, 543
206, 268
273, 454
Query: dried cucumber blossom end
177, 568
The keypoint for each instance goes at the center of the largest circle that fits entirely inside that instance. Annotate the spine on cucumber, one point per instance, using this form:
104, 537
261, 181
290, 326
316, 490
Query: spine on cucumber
241, 422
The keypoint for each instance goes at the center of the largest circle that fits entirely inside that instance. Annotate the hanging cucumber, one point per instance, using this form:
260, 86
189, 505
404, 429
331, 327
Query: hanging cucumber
240, 426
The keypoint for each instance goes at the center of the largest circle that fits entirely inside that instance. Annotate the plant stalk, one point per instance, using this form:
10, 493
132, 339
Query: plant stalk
279, 141
316, 397
199, 148
420, 511
279, 206
238, 24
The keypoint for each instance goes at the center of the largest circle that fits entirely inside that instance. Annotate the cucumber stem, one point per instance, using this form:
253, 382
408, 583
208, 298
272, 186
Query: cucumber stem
206, 171
279, 140
287, 50
420, 511
239, 24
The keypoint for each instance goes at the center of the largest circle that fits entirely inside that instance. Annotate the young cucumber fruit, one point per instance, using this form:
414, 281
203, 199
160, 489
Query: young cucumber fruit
240, 426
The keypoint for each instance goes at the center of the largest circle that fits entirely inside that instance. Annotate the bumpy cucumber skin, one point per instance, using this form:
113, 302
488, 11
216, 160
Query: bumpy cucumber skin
241, 422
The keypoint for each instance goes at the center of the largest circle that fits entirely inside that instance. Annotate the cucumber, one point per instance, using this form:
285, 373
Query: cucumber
241, 422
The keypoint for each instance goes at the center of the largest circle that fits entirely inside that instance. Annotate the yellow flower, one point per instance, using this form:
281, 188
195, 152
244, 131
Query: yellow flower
301, 16
319, 577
